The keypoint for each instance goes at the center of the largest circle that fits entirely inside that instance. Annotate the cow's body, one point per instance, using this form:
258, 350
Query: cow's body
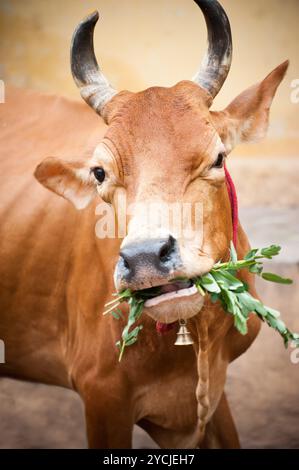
53, 293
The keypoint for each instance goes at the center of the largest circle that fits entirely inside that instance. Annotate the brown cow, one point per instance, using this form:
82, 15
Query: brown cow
165, 145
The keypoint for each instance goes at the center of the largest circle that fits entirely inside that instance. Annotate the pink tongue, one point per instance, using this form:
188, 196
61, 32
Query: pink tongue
168, 288
173, 287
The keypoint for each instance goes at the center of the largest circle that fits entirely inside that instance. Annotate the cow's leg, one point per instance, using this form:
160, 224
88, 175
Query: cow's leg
109, 421
108, 429
221, 431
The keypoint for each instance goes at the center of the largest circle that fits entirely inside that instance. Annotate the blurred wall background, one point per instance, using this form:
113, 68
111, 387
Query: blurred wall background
142, 43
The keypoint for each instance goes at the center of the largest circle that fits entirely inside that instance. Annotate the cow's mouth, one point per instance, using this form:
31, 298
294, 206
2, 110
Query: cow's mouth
164, 293
167, 303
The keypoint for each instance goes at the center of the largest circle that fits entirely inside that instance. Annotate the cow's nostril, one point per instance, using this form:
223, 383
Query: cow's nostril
125, 261
166, 249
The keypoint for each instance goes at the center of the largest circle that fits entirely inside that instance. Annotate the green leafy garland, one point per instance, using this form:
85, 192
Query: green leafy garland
223, 286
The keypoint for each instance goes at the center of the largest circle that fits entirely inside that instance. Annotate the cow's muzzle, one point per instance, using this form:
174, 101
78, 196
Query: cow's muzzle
147, 263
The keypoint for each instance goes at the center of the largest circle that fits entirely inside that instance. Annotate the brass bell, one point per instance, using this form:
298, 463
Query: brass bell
183, 335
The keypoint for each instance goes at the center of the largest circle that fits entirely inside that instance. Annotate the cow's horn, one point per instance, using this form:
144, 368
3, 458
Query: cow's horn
216, 63
94, 86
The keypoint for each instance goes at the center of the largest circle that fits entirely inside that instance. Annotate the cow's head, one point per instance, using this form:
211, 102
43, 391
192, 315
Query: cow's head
164, 146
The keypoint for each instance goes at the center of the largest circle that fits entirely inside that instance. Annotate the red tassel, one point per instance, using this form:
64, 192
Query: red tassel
233, 202
163, 328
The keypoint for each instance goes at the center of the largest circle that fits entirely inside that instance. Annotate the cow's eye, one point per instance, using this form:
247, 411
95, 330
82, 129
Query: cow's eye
99, 173
219, 161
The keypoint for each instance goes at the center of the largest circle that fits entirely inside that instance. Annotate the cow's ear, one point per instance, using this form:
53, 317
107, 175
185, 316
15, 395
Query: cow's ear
246, 118
71, 180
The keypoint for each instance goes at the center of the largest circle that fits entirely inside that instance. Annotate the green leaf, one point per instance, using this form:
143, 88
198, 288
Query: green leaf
127, 293
206, 279
120, 313
214, 297
270, 251
275, 278
256, 268
208, 283
273, 313
280, 326
248, 302
131, 341
233, 253
225, 279
261, 309
115, 315
229, 300
241, 324
132, 334
241, 289
251, 254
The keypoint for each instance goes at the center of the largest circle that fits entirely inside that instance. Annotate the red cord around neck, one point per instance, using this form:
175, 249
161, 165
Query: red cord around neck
233, 202
165, 327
